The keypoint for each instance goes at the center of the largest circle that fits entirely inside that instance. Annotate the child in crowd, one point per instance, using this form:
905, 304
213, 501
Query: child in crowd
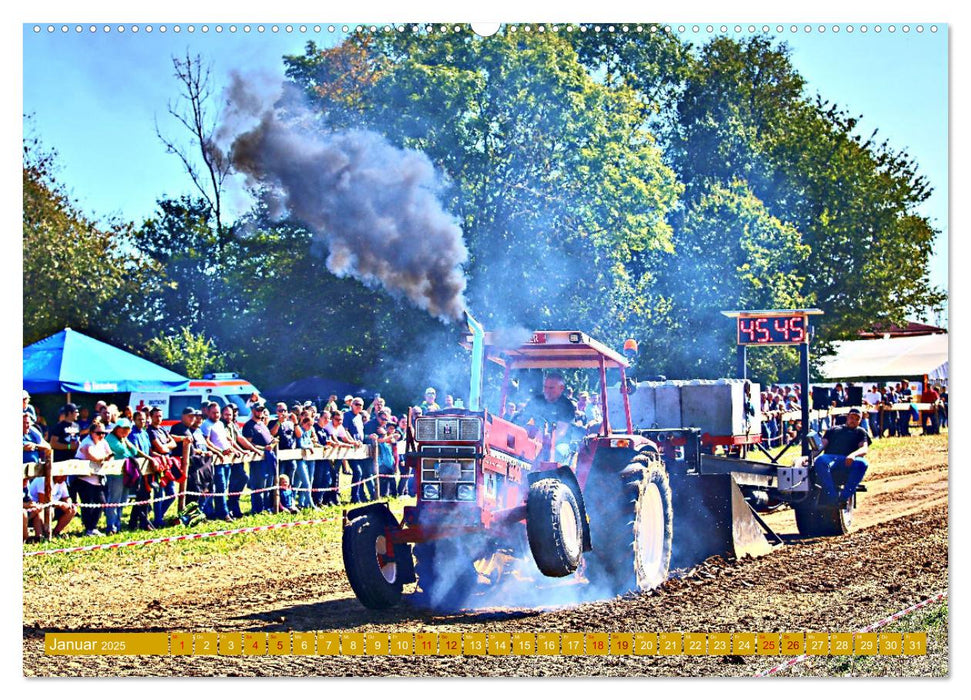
286, 495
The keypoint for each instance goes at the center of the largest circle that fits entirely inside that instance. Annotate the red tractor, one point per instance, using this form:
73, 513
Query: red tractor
490, 490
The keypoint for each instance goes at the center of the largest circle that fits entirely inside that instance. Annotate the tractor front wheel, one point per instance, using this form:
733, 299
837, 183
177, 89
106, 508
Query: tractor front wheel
553, 527
373, 575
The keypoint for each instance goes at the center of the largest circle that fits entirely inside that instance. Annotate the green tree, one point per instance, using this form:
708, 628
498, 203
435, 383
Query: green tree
744, 114
561, 192
185, 352
731, 253
77, 272
855, 202
182, 242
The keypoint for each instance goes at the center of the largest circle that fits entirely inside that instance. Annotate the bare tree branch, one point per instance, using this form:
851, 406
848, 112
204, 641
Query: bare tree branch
191, 112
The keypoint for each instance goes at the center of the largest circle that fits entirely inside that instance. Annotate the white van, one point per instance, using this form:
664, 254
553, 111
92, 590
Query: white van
222, 387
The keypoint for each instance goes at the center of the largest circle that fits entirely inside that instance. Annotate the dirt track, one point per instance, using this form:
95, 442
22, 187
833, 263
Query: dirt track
896, 556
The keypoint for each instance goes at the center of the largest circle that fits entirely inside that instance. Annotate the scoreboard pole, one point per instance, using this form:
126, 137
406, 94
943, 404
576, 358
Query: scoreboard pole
804, 381
778, 327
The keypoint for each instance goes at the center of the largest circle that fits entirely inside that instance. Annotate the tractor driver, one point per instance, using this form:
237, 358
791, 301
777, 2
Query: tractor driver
843, 446
555, 410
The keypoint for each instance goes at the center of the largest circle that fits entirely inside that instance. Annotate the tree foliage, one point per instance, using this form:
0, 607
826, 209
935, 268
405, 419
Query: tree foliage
77, 272
731, 253
744, 115
562, 196
185, 352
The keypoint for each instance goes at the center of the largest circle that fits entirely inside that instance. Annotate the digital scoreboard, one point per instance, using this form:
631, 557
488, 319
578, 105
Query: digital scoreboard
790, 329
773, 327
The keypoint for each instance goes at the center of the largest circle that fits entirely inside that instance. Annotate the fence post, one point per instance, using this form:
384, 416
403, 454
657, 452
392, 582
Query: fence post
48, 487
276, 480
185, 473
375, 467
150, 465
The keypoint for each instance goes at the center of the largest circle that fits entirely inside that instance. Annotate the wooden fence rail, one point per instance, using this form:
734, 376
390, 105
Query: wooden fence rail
82, 467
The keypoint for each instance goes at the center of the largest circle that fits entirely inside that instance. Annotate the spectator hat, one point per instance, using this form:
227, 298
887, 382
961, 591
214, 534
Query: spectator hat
69, 408
122, 423
308, 404
348, 398
855, 411
26, 394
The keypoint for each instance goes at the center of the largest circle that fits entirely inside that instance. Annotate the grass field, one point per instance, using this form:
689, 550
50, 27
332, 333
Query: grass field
188, 551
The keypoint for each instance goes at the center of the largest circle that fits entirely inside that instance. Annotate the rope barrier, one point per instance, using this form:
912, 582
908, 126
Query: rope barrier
869, 628
228, 494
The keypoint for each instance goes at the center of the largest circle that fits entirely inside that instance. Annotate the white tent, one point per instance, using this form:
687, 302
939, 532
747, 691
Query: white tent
903, 357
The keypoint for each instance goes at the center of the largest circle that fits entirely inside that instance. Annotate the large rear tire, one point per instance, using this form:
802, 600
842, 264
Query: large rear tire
815, 519
374, 578
446, 573
630, 526
553, 527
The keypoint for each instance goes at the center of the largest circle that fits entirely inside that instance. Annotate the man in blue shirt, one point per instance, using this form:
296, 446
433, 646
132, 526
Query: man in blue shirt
262, 473
845, 448
360, 468
34, 444
283, 428
381, 433
139, 438
28, 409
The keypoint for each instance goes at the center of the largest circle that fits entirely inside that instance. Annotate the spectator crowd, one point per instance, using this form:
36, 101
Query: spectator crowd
215, 457
879, 418
218, 460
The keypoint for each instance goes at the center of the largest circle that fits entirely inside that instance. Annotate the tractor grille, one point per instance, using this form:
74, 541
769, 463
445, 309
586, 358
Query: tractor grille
448, 480
448, 429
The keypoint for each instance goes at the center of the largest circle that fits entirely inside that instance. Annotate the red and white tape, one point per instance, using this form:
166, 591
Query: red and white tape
169, 497
869, 628
179, 538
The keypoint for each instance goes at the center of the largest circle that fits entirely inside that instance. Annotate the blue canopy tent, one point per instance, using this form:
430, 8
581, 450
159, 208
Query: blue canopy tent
70, 361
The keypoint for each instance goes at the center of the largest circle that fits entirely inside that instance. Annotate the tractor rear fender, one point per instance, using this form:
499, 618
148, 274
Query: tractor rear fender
566, 475
402, 551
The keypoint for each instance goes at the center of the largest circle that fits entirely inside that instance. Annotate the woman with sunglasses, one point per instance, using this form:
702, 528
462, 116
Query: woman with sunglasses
95, 449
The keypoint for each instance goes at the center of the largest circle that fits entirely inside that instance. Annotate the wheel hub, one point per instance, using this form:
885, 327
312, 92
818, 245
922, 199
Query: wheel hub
570, 529
650, 535
388, 568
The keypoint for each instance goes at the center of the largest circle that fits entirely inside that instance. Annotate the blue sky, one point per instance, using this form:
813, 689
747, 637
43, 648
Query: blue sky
95, 97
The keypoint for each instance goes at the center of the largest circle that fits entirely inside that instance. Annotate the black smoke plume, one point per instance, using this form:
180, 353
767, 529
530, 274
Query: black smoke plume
374, 206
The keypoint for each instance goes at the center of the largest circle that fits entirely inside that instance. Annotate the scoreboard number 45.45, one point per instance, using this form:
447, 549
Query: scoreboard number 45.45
772, 330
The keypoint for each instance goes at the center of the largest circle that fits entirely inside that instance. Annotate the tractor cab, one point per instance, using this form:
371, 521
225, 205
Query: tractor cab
549, 351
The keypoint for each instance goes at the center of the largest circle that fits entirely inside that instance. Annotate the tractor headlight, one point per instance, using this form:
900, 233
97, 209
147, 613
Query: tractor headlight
466, 492
430, 492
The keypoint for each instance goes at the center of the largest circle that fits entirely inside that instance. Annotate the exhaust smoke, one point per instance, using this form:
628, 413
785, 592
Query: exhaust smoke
374, 206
